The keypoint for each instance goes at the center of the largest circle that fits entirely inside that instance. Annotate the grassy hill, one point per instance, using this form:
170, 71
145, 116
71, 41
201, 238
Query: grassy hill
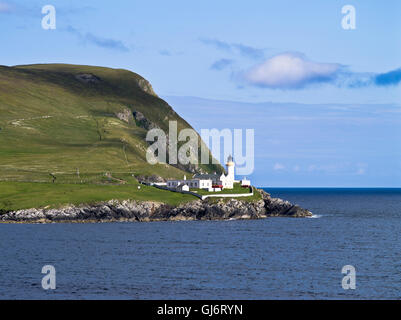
69, 124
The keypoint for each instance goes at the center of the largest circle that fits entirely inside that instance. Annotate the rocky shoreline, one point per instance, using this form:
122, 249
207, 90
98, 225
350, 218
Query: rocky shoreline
130, 210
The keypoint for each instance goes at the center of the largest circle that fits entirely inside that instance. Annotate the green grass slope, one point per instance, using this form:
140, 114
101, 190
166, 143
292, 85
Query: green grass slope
57, 127
25, 195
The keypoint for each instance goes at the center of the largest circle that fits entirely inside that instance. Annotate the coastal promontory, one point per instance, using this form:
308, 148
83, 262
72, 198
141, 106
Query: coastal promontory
73, 148
130, 210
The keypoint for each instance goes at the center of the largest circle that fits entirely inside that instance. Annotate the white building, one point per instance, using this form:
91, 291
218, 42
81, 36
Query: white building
245, 183
224, 181
183, 187
193, 183
210, 182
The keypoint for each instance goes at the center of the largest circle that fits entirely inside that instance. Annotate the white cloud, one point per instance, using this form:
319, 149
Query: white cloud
291, 71
278, 166
296, 168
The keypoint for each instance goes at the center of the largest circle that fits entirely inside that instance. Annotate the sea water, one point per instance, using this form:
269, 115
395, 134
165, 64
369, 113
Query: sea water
274, 258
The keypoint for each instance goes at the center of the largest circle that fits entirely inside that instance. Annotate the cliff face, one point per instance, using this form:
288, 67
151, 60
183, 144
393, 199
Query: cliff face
157, 211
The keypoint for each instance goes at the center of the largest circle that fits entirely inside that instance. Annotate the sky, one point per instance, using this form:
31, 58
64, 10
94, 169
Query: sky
324, 101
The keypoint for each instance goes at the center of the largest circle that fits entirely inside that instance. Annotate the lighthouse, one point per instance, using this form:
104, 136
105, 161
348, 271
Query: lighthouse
230, 168
210, 182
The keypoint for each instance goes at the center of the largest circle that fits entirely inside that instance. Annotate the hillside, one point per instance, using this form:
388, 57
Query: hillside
70, 124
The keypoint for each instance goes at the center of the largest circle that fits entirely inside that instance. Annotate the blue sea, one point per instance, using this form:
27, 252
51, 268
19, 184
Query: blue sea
275, 258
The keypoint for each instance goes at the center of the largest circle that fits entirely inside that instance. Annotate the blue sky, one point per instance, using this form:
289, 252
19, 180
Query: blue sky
324, 101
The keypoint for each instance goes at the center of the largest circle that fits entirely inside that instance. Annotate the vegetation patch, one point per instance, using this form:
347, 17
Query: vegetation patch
25, 195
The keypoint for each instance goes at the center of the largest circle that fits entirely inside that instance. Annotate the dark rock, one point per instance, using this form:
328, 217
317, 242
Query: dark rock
129, 210
143, 122
149, 179
276, 207
87, 78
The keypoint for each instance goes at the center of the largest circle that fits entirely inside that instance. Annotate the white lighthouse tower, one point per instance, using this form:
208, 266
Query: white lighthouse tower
230, 168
